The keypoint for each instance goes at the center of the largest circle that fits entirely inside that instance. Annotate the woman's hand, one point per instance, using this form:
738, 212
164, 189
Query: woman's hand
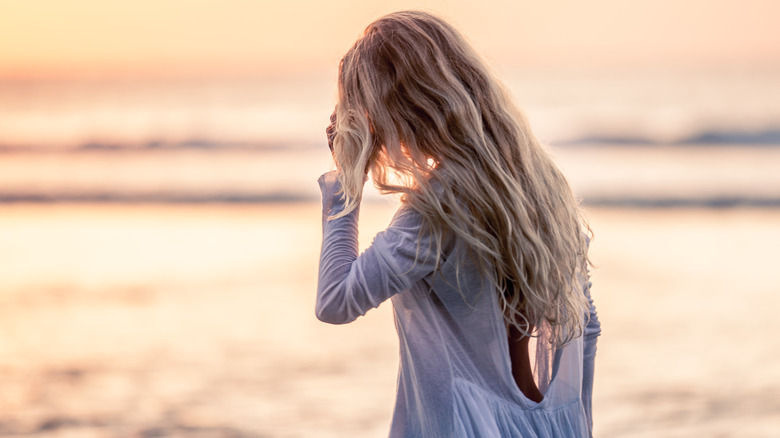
331, 130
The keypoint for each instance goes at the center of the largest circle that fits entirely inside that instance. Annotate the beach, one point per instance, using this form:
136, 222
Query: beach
197, 320
160, 218
159, 242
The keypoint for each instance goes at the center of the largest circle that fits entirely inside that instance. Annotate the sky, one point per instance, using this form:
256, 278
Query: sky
51, 38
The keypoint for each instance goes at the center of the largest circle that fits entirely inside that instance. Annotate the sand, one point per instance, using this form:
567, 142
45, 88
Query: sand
197, 321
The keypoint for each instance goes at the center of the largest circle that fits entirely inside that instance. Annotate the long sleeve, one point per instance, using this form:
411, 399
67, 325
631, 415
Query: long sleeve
592, 332
349, 284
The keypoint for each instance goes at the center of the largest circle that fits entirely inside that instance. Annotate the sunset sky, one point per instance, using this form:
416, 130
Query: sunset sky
202, 37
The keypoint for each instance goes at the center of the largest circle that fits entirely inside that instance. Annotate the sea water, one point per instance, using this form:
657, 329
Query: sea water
159, 243
652, 137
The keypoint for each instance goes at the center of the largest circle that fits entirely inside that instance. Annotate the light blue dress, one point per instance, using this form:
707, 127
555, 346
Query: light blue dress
455, 377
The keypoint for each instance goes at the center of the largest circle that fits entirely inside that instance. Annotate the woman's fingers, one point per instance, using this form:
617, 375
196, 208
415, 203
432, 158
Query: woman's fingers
330, 131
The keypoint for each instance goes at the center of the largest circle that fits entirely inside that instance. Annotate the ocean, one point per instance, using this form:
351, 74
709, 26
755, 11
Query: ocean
159, 242
644, 138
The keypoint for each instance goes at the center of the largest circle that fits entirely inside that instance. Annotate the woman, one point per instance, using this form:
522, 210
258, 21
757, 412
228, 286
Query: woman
486, 254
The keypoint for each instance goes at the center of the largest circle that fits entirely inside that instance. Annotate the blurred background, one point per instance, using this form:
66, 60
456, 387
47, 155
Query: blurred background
160, 225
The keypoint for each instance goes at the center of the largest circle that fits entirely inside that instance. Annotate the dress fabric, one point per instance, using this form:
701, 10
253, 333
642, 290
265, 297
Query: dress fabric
455, 376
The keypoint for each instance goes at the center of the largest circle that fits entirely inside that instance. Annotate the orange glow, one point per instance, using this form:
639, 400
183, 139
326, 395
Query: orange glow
39, 37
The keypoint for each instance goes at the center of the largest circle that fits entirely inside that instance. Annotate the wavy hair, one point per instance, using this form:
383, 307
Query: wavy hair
420, 110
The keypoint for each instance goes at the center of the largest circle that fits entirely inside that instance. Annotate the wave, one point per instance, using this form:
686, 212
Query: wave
708, 202
756, 138
158, 145
648, 202
157, 198
704, 138
201, 144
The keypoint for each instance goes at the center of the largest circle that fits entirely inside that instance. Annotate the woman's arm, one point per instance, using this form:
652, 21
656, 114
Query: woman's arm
592, 331
349, 284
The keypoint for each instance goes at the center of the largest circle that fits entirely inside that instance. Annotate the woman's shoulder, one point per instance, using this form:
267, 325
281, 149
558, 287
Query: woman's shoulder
406, 218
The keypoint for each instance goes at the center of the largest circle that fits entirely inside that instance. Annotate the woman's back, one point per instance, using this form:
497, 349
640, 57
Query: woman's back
455, 376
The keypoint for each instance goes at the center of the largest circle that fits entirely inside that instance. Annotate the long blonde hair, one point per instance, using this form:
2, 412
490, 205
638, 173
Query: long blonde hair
420, 110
